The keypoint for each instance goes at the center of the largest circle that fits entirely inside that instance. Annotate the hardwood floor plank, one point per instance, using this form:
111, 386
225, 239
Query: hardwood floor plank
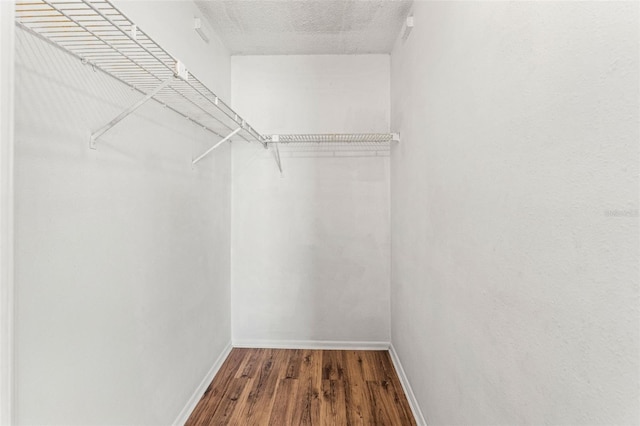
308, 410
293, 364
333, 365
284, 403
234, 396
356, 403
250, 364
398, 393
385, 409
257, 408
212, 397
333, 407
370, 365
360, 365
304, 387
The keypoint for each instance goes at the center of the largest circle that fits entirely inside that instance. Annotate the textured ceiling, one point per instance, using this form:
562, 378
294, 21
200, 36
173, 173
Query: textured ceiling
296, 27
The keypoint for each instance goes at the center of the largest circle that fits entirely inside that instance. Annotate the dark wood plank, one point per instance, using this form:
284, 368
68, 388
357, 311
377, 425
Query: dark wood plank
284, 403
391, 376
356, 403
293, 364
360, 366
212, 397
333, 407
307, 411
304, 387
251, 363
257, 408
333, 365
385, 410
231, 399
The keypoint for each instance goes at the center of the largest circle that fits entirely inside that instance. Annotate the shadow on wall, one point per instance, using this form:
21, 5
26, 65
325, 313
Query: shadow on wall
327, 149
321, 150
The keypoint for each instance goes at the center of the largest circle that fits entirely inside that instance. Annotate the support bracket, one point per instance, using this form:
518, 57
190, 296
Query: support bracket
95, 135
408, 26
276, 139
207, 152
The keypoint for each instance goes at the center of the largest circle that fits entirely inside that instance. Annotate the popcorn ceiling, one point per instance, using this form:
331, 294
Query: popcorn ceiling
255, 27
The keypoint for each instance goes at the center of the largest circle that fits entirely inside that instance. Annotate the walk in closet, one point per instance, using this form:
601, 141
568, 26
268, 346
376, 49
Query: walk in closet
319, 212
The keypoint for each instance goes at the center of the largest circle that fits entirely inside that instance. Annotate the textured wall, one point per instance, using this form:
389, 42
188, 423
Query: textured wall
514, 288
310, 256
122, 254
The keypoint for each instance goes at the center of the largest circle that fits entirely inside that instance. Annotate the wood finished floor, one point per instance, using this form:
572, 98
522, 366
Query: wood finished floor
304, 387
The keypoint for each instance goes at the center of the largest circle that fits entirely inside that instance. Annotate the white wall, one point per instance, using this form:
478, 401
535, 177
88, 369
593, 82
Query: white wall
122, 254
514, 292
310, 247
7, 37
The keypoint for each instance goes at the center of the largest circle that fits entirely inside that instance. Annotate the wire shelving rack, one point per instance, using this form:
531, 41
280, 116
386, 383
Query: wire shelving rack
101, 36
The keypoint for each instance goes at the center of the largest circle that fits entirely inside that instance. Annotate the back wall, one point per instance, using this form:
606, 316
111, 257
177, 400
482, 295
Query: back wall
310, 246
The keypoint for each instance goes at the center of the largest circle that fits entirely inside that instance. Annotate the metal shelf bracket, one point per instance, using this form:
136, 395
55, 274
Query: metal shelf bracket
276, 152
95, 135
207, 152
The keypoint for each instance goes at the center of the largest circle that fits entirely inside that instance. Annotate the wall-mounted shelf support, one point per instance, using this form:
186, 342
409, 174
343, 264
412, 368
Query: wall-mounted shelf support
408, 26
277, 152
95, 135
207, 152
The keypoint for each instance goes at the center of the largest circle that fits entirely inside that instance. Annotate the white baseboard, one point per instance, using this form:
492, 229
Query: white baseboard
413, 402
312, 344
202, 387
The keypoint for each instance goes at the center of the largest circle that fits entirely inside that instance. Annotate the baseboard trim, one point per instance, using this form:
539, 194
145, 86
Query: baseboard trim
413, 402
202, 387
312, 344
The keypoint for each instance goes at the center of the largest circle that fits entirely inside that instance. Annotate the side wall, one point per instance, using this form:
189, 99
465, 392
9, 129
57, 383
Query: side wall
310, 247
122, 254
7, 39
515, 212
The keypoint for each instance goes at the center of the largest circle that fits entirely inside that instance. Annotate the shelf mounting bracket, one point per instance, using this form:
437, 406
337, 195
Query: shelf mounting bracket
207, 152
276, 139
95, 135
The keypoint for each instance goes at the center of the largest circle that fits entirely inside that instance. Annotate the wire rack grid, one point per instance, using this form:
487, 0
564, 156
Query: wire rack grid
101, 36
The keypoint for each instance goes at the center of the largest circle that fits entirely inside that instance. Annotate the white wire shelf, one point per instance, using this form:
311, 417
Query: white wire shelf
334, 138
97, 33
354, 142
